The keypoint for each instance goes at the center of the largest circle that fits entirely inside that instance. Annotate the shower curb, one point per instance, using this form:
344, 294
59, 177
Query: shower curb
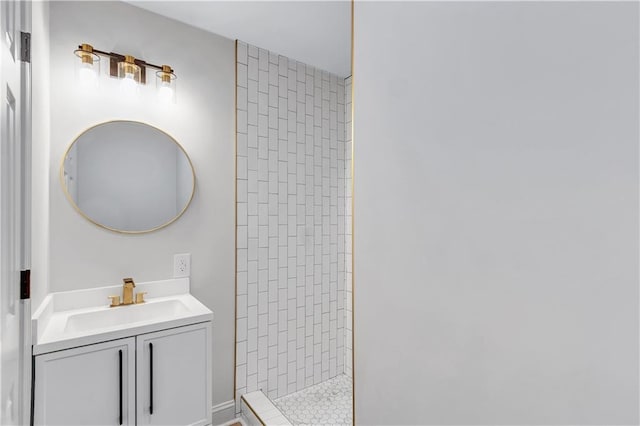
258, 410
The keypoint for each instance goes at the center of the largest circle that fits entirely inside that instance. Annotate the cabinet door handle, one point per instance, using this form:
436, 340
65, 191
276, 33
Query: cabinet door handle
150, 378
120, 365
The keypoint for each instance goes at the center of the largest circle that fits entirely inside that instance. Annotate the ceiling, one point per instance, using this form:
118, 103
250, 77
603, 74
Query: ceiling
317, 33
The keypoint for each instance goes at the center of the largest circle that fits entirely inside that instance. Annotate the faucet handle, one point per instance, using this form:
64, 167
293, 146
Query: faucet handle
140, 297
115, 301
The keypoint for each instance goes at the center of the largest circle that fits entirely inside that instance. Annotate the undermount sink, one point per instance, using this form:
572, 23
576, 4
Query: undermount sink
112, 317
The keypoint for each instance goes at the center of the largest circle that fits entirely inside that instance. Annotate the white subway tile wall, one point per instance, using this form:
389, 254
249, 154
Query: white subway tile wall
348, 321
293, 215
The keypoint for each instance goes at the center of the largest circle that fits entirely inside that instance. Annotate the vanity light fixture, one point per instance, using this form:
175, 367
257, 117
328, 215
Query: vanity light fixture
129, 75
88, 68
166, 84
132, 72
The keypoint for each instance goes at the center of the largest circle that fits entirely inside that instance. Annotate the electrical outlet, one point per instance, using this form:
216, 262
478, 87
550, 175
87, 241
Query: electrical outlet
181, 265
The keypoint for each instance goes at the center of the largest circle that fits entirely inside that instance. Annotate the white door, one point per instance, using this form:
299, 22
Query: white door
89, 385
14, 220
174, 376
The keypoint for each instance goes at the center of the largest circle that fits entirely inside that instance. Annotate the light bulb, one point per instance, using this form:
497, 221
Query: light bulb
165, 92
87, 74
87, 67
128, 84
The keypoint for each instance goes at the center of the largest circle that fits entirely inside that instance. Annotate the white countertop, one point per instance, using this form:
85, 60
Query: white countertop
76, 318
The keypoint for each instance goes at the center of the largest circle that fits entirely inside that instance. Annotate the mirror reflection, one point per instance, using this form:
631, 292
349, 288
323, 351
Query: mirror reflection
128, 176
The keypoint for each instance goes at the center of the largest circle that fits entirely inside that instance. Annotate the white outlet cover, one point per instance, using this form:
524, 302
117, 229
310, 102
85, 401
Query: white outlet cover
181, 265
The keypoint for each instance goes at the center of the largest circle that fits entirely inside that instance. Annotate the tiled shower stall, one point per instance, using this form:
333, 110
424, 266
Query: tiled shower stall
293, 224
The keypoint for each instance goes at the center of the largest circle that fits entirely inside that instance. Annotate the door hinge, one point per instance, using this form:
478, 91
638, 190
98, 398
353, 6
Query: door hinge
25, 47
25, 284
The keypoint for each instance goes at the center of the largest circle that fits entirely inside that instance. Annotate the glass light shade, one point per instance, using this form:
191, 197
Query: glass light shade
166, 85
87, 67
129, 75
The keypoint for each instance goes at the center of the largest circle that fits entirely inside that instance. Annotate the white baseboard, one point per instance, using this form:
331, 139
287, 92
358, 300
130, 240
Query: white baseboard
223, 413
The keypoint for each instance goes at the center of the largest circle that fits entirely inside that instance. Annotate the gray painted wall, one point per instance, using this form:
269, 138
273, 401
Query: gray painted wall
496, 219
82, 255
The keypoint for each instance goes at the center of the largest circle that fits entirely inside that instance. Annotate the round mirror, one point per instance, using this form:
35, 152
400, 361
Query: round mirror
128, 176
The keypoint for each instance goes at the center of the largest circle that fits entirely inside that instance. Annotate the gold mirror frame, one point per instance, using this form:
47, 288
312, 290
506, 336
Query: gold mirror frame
120, 231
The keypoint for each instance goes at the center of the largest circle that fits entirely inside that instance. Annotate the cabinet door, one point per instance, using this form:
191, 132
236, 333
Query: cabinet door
174, 376
90, 385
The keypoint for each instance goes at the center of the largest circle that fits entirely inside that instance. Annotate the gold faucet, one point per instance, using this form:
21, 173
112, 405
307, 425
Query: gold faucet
127, 291
127, 294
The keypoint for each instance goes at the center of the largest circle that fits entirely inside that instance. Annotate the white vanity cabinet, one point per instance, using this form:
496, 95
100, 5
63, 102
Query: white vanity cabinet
141, 364
173, 376
160, 378
90, 385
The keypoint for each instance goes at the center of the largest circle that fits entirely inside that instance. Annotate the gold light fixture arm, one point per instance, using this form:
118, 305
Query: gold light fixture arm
86, 54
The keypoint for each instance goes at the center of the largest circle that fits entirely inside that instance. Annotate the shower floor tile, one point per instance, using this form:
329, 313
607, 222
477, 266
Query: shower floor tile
327, 403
